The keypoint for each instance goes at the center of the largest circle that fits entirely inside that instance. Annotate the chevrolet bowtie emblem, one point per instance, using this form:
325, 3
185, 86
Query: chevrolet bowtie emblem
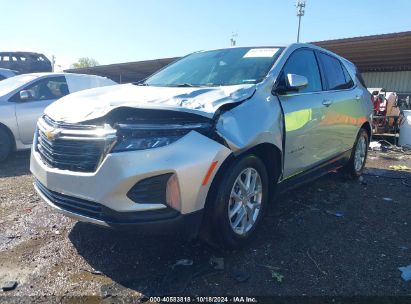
52, 134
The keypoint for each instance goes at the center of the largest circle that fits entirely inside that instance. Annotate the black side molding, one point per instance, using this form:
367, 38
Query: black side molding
314, 172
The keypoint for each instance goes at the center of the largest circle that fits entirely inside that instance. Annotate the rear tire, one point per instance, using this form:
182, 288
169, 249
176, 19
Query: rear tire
236, 204
6, 144
358, 158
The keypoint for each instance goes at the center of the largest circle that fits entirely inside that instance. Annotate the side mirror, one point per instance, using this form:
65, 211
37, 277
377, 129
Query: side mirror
296, 82
290, 83
26, 95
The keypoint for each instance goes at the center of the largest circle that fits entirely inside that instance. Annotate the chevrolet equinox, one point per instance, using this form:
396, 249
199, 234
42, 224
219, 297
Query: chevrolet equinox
201, 146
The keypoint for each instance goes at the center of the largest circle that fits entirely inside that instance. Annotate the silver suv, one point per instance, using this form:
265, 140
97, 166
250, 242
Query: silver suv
200, 147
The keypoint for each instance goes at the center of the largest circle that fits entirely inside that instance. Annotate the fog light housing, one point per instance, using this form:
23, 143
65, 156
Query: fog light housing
173, 196
160, 189
151, 190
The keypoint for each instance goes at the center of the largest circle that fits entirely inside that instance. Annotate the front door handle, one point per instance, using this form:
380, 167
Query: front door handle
327, 102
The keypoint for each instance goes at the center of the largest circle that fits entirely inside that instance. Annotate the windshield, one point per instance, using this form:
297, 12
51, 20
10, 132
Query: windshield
217, 68
12, 83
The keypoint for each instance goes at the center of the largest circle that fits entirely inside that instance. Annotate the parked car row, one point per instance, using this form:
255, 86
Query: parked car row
6, 73
23, 99
198, 148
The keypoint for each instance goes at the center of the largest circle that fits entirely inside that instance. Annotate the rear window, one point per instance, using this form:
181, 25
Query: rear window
336, 75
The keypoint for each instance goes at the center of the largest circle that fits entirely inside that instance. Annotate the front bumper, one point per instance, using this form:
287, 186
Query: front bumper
106, 189
164, 221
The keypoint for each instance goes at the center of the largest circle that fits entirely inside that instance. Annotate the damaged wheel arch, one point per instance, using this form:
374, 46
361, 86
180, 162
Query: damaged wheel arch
268, 153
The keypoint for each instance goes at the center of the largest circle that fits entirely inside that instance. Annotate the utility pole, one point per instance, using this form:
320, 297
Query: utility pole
233, 39
53, 62
300, 5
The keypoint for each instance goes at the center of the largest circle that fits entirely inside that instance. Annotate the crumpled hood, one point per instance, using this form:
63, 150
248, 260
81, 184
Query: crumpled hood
95, 103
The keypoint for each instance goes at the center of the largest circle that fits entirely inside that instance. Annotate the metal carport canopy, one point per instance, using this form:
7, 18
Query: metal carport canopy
377, 53
126, 72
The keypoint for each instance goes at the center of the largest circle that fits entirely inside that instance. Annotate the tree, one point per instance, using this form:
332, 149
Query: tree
84, 62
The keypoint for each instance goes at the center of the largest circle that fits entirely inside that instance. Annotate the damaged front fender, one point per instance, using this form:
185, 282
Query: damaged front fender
256, 121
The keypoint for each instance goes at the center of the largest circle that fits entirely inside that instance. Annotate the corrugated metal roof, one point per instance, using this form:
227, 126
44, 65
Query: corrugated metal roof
387, 52
128, 71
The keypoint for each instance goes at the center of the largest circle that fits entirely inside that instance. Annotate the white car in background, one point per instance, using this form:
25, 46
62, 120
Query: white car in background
23, 99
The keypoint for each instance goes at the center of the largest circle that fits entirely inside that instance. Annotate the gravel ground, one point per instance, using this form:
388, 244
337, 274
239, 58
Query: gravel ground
330, 237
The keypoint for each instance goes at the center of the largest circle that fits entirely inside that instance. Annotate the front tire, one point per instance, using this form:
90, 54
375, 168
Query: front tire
6, 144
356, 164
237, 203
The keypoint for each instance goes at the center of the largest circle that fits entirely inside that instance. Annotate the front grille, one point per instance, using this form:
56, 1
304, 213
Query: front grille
71, 155
75, 149
71, 204
55, 124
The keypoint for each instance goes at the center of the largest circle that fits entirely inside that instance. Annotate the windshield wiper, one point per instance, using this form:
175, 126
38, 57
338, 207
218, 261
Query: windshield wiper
184, 85
140, 83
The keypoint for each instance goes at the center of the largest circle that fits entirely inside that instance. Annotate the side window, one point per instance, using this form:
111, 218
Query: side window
48, 88
348, 80
304, 63
336, 75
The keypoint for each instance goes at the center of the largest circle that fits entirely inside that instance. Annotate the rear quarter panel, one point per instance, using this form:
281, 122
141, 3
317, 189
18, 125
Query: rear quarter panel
366, 107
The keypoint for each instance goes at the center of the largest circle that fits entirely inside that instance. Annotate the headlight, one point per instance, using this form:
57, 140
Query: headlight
132, 137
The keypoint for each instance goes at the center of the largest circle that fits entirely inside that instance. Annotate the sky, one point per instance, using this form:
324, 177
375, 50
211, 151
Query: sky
114, 31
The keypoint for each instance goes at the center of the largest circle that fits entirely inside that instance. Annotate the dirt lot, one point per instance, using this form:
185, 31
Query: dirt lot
330, 237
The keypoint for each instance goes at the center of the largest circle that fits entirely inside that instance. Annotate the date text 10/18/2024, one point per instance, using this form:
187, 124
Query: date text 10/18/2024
200, 299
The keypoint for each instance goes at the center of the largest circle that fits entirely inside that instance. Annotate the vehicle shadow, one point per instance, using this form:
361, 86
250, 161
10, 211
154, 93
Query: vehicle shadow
141, 263
147, 264
316, 218
16, 165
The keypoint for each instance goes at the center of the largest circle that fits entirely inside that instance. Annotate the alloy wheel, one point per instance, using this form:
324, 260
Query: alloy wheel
245, 201
360, 152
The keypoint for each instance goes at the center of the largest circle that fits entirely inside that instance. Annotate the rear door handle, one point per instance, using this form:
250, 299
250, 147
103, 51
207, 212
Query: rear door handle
327, 102
357, 97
